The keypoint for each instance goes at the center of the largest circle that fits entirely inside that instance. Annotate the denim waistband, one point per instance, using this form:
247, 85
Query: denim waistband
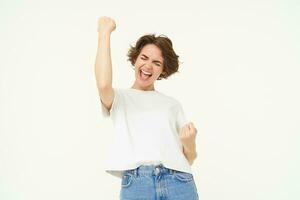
150, 170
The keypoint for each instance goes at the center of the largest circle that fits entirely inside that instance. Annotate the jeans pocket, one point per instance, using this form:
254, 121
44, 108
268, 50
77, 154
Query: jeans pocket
183, 176
126, 180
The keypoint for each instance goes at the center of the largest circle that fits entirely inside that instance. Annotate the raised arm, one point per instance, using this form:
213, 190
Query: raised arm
103, 63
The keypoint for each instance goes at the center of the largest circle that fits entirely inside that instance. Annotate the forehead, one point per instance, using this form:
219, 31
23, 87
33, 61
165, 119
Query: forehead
152, 51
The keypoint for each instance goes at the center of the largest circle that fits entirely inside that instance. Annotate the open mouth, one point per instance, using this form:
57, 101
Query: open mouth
145, 75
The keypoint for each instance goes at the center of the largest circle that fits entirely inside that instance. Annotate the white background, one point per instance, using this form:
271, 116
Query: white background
238, 83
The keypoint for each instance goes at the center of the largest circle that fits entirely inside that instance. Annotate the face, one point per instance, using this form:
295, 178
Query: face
148, 67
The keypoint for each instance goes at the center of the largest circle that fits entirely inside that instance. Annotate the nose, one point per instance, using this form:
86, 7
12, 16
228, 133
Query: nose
148, 66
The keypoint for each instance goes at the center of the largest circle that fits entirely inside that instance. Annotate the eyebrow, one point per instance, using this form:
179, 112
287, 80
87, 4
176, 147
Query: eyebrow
153, 60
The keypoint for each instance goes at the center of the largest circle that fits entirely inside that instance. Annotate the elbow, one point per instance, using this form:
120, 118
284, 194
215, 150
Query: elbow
193, 159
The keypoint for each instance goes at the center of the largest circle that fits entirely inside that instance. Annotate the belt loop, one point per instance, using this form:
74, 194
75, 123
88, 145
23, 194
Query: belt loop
135, 172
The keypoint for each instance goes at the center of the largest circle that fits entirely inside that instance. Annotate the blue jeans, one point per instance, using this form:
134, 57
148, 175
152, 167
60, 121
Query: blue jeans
156, 182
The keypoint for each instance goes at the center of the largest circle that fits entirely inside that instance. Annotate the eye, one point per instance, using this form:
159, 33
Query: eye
143, 58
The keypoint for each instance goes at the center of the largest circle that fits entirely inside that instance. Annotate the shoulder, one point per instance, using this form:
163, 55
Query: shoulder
119, 90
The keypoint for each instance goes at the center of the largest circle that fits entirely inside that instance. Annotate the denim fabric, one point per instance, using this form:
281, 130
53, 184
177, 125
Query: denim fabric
156, 182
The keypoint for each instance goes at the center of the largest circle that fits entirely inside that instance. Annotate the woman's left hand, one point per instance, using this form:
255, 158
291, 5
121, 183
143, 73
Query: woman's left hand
188, 139
188, 136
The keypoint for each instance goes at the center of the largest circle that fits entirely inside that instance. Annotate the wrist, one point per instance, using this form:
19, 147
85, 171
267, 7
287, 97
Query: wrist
104, 34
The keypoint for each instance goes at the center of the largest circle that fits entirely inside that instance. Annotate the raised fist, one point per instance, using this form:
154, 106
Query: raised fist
106, 24
188, 136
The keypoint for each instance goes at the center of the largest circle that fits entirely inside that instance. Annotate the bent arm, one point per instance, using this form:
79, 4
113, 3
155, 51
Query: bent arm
188, 139
190, 155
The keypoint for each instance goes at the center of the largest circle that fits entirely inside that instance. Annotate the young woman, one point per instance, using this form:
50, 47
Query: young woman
154, 146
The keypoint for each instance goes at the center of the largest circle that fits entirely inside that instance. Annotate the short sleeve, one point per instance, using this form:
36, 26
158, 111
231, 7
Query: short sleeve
105, 112
180, 118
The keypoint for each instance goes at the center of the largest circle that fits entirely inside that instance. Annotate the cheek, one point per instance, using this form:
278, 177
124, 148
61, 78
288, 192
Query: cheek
158, 72
138, 65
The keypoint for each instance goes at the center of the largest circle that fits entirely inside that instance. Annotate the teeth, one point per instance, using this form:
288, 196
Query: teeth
147, 73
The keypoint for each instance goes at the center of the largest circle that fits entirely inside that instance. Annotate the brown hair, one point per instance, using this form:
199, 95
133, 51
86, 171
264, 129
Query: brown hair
170, 59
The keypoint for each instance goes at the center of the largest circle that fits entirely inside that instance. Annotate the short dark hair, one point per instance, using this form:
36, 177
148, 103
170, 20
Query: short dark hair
170, 62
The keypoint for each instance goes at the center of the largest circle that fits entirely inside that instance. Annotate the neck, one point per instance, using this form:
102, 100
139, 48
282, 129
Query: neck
151, 87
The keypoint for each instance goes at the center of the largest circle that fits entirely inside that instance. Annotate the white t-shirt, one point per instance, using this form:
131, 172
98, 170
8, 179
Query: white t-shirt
146, 127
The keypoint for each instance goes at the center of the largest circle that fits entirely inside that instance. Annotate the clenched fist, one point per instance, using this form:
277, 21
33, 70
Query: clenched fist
188, 137
106, 25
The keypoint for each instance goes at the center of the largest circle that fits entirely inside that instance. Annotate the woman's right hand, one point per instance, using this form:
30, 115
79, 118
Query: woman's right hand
106, 25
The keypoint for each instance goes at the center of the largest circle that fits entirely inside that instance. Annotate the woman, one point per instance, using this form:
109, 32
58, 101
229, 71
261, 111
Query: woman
154, 146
